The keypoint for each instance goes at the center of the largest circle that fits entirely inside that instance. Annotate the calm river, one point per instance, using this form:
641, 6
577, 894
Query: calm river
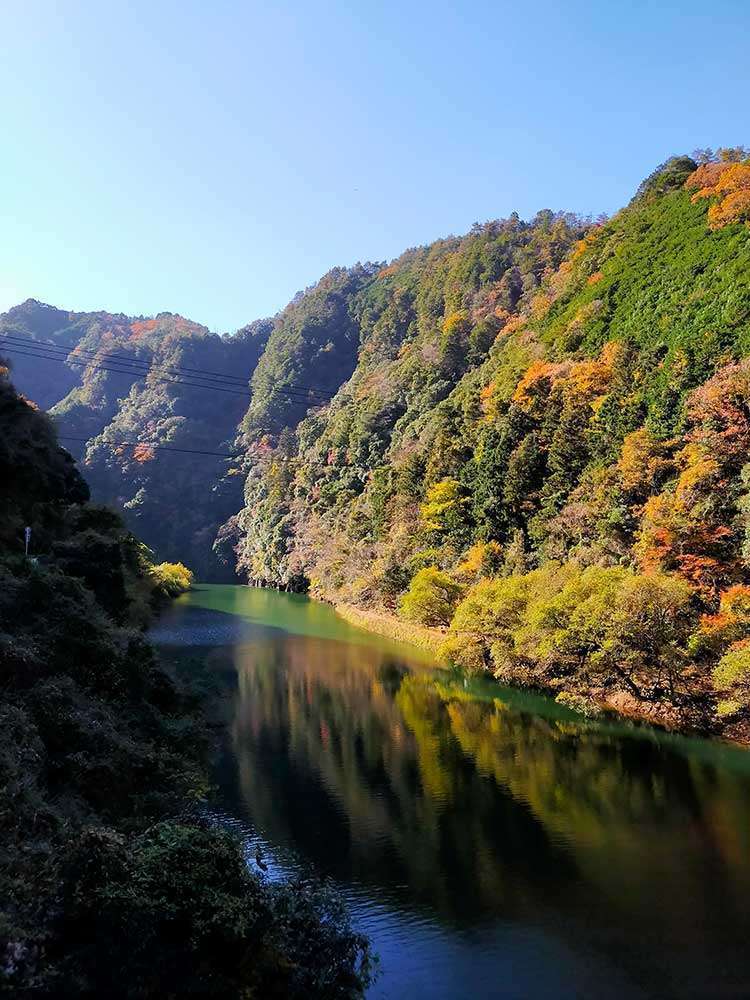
490, 843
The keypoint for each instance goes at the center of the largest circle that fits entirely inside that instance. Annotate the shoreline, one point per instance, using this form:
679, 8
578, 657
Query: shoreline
382, 622
610, 705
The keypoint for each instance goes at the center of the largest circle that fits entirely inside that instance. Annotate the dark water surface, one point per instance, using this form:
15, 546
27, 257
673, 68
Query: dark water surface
489, 842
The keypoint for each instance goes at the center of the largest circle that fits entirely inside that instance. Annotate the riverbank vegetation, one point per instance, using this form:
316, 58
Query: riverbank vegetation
109, 883
171, 579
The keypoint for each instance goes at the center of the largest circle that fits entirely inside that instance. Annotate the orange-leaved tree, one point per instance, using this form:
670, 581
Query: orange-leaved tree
729, 185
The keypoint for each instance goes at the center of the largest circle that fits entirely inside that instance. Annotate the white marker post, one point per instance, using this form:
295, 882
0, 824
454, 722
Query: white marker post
27, 537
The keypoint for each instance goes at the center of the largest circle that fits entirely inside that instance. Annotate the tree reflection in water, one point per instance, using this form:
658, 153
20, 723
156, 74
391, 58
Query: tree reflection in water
477, 804
478, 830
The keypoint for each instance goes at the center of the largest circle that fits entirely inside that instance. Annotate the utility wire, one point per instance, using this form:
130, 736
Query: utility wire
110, 356
296, 395
136, 375
151, 444
205, 374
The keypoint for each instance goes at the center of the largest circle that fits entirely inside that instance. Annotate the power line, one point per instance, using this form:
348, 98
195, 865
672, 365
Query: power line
205, 374
49, 345
143, 370
136, 375
151, 444
296, 395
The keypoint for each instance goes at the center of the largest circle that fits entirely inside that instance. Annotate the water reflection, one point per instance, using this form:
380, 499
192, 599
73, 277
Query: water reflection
493, 814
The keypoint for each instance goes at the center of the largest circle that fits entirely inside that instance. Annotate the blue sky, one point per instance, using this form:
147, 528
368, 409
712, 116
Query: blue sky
213, 158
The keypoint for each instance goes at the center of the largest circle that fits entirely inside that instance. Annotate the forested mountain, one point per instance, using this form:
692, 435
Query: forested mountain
422, 323
543, 447
534, 436
150, 406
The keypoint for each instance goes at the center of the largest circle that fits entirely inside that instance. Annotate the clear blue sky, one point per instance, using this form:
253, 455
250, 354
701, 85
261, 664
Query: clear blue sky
213, 158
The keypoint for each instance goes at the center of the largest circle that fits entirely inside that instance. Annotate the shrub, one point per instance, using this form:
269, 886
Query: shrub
606, 624
431, 598
467, 652
171, 579
732, 678
179, 913
578, 703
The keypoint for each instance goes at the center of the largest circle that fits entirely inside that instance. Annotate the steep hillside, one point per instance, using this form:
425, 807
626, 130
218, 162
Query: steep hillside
312, 349
545, 450
165, 415
151, 407
175, 481
420, 323
27, 330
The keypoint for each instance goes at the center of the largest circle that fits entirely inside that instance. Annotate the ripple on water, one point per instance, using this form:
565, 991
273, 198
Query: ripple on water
419, 957
208, 633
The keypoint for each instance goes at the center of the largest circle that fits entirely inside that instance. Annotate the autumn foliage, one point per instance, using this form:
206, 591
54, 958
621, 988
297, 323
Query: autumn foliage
728, 185
143, 453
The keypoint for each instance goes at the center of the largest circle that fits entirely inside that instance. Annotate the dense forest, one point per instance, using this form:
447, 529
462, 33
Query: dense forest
103, 764
533, 438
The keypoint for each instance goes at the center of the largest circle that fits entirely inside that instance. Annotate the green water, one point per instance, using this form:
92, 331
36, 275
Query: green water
491, 843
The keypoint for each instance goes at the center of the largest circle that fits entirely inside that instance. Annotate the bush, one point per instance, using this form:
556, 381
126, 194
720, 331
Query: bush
732, 679
431, 598
578, 703
171, 579
608, 625
178, 912
492, 609
467, 652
